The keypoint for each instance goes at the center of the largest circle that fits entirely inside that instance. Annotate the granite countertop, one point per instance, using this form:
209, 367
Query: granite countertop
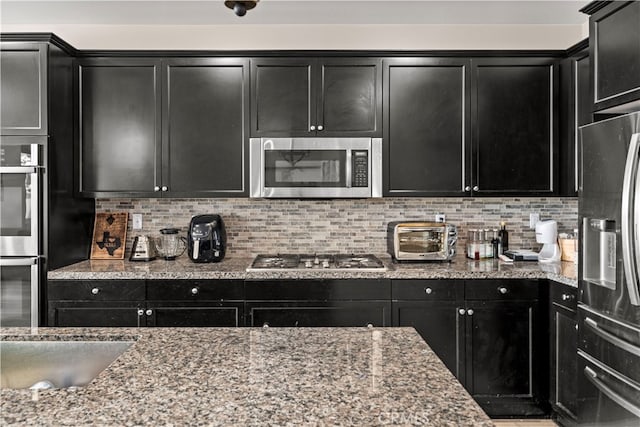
251, 376
235, 268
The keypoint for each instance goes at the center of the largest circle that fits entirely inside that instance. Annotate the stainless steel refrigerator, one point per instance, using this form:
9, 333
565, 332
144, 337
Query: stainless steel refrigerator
609, 273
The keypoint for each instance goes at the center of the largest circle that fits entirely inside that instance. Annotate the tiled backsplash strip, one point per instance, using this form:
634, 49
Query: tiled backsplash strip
307, 226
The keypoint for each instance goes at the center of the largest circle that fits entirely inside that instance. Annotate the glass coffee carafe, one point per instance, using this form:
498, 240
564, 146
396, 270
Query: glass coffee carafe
170, 244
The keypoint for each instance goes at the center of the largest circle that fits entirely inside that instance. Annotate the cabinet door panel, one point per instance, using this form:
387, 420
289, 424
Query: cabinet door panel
426, 129
565, 357
202, 315
74, 314
350, 98
319, 314
119, 127
515, 105
204, 108
499, 349
282, 97
23, 88
438, 323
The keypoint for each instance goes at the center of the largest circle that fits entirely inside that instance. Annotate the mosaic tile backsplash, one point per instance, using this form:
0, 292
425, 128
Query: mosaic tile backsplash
306, 226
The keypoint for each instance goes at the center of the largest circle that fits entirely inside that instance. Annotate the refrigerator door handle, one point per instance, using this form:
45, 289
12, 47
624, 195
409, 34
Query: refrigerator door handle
592, 376
630, 220
609, 337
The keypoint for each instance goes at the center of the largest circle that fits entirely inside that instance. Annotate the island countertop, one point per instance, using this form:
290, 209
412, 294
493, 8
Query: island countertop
253, 376
235, 268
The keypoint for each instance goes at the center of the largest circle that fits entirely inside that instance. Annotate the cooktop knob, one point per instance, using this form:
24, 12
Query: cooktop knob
325, 264
308, 264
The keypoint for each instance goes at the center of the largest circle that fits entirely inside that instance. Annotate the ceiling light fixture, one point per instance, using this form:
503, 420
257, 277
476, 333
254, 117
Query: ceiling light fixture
240, 7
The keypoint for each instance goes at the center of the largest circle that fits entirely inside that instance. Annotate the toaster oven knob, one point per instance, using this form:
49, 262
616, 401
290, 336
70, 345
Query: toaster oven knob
95, 291
462, 311
320, 127
194, 291
467, 188
312, 127
428, 291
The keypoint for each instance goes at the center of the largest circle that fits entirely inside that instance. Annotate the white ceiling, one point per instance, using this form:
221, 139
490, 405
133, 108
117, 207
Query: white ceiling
274, 12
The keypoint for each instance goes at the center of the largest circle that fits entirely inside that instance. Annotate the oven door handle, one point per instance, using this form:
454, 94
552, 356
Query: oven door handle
592, 376
18, 262
20, 169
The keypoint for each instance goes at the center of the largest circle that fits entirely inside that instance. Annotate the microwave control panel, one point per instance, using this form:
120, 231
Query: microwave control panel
360, 168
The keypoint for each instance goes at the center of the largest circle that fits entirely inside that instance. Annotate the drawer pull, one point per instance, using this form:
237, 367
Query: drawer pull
194, 291
140, 312
470, 312
462, 311
567, 297
95, 291
607, 336
369, 325
265, 325
428, 291
149, 312
503, 290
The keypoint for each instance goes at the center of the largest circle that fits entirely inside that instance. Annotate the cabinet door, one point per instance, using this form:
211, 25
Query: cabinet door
504, 356
89, 314
282, 102
318, 314
205, 109
349, 101
119, 127
23, 88
514, 102
440, 324
426, 127
169, 314
614, 43
564, 361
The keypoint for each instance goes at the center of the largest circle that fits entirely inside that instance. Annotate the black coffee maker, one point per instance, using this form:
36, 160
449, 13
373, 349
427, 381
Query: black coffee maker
207, 239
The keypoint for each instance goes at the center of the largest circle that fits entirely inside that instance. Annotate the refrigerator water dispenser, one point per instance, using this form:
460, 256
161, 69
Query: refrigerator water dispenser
599, 252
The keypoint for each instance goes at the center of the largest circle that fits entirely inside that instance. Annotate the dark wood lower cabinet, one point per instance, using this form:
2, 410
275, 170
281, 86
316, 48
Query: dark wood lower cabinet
319, 314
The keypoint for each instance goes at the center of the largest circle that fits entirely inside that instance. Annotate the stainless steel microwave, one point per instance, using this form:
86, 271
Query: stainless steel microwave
315, 167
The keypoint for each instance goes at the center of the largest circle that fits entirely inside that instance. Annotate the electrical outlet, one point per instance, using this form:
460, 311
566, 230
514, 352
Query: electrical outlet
534, 218
440, 218
137, 221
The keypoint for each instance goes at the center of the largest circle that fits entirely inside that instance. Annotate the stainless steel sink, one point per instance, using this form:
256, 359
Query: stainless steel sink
55, 364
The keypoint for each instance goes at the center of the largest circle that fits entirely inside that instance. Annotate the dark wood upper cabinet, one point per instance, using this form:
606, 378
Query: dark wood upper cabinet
23, 88
119, 134
205, 111
614, 43
427, 133
316, 96
514, 104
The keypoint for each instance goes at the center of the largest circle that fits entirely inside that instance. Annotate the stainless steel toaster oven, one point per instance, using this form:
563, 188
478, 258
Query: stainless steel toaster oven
421, 241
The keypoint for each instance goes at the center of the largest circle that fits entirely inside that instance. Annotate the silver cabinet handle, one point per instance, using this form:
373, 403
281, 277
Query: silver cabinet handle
312, 127
156, 188
606, 390
428, 291
149, 312
476, 188
607, 336
567, 297
140, 312
165, 188
369, 325
470, 312
194, 291
503, 290
95, 291
462, 311
467, 188
320, 127
265, 325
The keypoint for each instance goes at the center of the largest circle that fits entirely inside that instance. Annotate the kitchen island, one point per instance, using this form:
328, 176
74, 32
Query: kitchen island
253, 376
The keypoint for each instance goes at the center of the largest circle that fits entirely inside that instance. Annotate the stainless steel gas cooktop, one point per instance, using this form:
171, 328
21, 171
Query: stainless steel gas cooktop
289, 262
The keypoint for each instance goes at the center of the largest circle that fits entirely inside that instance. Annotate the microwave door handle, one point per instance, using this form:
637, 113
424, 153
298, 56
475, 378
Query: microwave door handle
348, 171
629, 220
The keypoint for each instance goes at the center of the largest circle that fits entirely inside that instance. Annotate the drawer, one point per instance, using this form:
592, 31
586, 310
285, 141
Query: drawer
564, 296
195, 290
497, 290
96, 290
318, 290
427, 290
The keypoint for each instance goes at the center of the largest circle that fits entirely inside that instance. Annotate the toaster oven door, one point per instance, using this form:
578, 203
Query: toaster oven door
419, 243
